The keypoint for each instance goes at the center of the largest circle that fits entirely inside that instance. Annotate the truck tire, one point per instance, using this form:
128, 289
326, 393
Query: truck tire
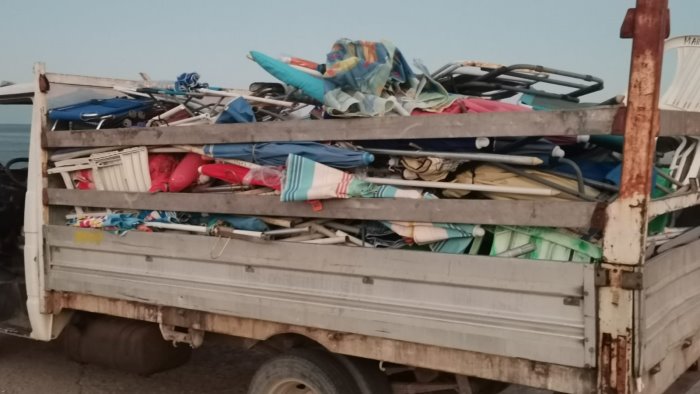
303, 371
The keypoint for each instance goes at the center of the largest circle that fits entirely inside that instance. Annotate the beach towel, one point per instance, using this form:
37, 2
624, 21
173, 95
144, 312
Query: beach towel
363, 78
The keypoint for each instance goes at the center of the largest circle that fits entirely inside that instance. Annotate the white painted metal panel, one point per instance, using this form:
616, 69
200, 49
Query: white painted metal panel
516, 308
671, 304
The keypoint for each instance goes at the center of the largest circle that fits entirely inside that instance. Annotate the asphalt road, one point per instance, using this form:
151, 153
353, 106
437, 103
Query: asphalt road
30, 367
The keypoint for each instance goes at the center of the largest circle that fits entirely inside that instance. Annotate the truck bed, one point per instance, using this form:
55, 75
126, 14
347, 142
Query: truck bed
537, 310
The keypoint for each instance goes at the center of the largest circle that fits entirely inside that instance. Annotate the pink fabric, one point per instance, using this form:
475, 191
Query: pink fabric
476, 105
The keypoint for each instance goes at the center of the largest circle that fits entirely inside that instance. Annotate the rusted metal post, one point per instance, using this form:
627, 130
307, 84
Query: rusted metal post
647, 25
627, 220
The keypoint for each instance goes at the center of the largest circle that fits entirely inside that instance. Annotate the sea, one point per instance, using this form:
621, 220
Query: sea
14, 141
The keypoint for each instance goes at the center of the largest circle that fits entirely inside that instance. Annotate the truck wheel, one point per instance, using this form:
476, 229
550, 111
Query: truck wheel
303, 371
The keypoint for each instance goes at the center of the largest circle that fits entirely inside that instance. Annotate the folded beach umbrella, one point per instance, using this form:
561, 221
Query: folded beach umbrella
308, 180
494, 176
161, 167
238, 175
442, 237
185, 174
275, 153
312, 86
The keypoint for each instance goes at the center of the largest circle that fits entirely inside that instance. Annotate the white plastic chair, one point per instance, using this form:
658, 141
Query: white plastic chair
125, 171
684, 92
684, 95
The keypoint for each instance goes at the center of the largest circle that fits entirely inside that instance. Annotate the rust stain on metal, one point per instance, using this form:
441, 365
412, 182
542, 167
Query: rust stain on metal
605, 372
627, 29
647, 25
618, 126
621, 363
463, 362
614, 278
600, 217
44, 85
613, 374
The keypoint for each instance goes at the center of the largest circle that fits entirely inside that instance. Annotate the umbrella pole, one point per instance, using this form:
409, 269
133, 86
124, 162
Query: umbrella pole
518, 251
344, 227
487, 157
463, 186
586, 181
200, 151
223, 93
327, 241
233, 233
302, 238
286, 231
178, 226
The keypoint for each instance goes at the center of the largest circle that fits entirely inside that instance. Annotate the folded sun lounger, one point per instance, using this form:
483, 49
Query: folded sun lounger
121, 112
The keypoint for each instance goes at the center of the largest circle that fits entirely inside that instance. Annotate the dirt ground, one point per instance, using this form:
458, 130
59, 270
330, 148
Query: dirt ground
30, 367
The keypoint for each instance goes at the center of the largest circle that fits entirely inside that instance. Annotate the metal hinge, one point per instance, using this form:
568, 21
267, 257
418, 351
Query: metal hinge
190, 335
628, 280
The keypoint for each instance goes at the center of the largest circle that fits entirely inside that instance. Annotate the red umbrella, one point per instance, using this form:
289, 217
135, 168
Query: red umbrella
161, 166
238, 175
185, 174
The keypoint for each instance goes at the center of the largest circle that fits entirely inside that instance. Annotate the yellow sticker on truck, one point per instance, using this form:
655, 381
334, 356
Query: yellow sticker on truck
88, 236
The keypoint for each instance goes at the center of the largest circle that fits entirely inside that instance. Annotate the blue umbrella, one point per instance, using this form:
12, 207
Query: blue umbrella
275, 153
237, 111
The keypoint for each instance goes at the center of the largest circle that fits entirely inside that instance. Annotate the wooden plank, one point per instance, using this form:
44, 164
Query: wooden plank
525, 213
99, 82
679, 123
672, 203
565, 122
488, 366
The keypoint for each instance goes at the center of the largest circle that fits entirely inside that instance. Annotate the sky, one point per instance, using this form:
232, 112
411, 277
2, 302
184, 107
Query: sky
165, 38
